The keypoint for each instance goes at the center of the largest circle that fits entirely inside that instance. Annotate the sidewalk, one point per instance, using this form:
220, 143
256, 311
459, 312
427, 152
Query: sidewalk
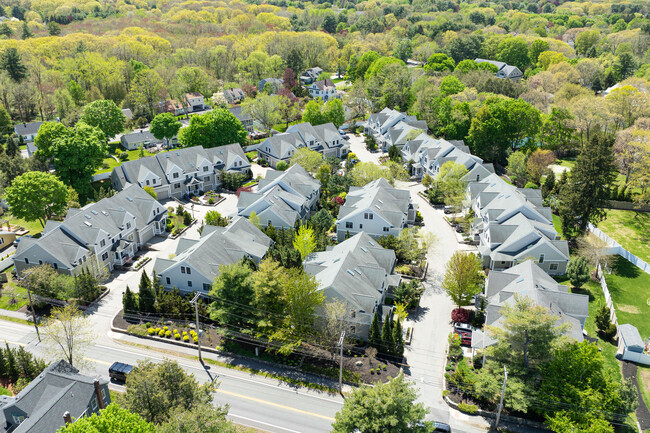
16, 314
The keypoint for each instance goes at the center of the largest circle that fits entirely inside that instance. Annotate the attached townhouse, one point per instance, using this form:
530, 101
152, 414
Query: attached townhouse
360, 273
324, 89
512, 225
384, 127
377, 209
28, 131
504, 70
282, 198
102, 234
196, 262
529, 280
325, 139
57, 396
180, 172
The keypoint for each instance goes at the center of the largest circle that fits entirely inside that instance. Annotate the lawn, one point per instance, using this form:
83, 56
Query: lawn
557, 224
5, 391
12, 296
34, 227
566, 162
110, 163
630, 229
630, 290
643, 376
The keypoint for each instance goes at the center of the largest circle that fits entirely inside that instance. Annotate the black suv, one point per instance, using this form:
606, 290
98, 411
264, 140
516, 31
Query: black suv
118, 371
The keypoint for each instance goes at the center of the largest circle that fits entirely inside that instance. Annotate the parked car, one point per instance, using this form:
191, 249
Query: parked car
343, 134
441, 427
19, 238
119, 371
450, 209
465, 337
463, 327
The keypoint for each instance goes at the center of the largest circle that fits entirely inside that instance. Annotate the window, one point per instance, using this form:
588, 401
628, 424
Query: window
147, 183
18, 419
168, 280
175, 175
348, 225
55, 266
478, 177
503, 263
385, 229
206, 287
353, 330
268, 223
104, 256
553, 267
128, 226
541, 258
189, 283
177, 185
104, 395
182, 269
360, 226
189, 271
205, 168
93, 404
102, 243
2, 241
26, 261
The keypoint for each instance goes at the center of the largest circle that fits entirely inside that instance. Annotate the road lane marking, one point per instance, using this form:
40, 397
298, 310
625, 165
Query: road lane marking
270, 403
98, 361
232, 415
15, 343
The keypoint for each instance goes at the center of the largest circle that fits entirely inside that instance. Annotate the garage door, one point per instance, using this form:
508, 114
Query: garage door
163, 194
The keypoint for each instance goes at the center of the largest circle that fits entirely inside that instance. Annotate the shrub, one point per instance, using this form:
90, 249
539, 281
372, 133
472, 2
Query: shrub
372, 371
151, 331
168, 334
165, 328
161, 333
187, 218
177, 336
281, 166
383, 367
460, 315
467, 408
196, 339
445, 392
186, 338
210, 200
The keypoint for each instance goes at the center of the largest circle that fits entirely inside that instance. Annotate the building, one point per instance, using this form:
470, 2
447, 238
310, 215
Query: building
194, 102
504, 70
28, 131
377, 209
358, 272
234, 95
127, 113
528, 279
180, 172
245, 119
58, 392
173, 106
102, 234
275, 83
196, 263
282, 198
310, 75
384, 127
512, 225
6, 239
325, 139
324, 89
133, 140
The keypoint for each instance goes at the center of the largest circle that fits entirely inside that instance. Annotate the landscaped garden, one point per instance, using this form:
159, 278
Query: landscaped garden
630, 229
177, 219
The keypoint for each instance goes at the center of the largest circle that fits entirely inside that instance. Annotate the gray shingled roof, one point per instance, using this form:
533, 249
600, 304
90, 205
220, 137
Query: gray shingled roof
30, 128
380, 197
139, 137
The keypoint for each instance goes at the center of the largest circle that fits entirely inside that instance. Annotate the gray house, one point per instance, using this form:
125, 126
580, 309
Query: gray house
310, 75
196, 263
282, 198
358, 272
57, 392
390, 127
134, 140
127, 113
234, 95
28, 131
512, 225
528, 279
181, 172
377, 209
245, 119
504, 70
275, 83
102, 234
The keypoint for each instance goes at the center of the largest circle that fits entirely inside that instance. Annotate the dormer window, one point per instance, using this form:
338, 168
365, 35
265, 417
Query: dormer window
175, 175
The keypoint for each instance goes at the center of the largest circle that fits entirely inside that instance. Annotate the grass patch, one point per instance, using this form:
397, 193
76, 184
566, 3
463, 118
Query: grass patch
110, 163
630, 229
12, 296
34, 227
15, 320
566, 162
630, 287
643, 376
5, 391
557, 224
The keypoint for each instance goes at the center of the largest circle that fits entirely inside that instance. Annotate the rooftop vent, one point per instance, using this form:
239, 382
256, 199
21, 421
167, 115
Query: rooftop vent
129, 198
377, 206
380, 201
105, 213
364, 249
357, 271
371, 243
121, 208
519, 280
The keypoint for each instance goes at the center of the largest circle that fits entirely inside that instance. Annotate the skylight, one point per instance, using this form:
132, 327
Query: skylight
350, 272
364, 249
129, 198
87, 216
94, 212
371, 243
519, 280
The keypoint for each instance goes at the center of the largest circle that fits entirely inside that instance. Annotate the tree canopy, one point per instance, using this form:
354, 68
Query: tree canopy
216, 128
37, 196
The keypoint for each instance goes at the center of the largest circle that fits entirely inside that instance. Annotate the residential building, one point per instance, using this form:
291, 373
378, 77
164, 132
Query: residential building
59, 391
512, 225
529, 280
194, 101
234, 95
196, 262
180, 172
28, 131
377, 209
144, 138
102, 234
127, 113
358, 272
325, 139
7, 239
275, 83
173, 106
310, 75
245, 118
324, 89
282, 198
504, 70
384, 127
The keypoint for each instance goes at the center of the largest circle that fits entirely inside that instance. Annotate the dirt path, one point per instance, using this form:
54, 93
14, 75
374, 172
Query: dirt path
642, 412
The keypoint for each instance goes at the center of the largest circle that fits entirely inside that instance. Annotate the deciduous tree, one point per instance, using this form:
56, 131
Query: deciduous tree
304, 241
104, 115
463, 277
37, 196
538, 162
308, 159
450, 183
265, 109
165, 126
216, 128
48, 133
69, 333
233, 290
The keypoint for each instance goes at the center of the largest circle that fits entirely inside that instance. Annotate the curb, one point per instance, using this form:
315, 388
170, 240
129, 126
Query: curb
183, 231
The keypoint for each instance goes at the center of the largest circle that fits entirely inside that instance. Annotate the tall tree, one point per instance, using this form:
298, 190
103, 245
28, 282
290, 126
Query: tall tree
165, 126
104, 115
233, 290
113, 419
450, 183
37, 196
538, 162
146, 91
48, 133
308, 159
333, 112
265, 109
587, 190
69, 333
578, 272
375, 331
216, 128
304, 241
204, 418
11, 62
463, 277
517, 168
146, 295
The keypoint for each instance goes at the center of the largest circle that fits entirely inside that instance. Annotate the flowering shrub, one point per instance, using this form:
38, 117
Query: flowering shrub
460, 315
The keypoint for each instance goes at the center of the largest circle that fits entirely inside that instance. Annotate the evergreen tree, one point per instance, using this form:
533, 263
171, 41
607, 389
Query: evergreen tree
11, 62
129, 302
10, 364
375, 331
27, 33
387, 336
3, 370
549, 184
24, 363
12, 147
146, 296
398, 341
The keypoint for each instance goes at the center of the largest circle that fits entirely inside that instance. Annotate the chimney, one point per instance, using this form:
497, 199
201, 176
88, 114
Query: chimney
98, 392
67, 418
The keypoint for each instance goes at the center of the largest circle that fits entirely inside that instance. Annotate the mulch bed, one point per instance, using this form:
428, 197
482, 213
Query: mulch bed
642, 412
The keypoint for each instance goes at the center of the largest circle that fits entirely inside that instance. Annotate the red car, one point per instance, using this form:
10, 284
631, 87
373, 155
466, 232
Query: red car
465, 337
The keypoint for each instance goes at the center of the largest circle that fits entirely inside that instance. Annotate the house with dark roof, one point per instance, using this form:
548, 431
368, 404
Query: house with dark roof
528, 279
196, 262
282, 198
358, 272
275, 83
173, 106
180, 172
234, 95
512, 225
99, 235
28, 131
58, 395
377, 209
504, 70
310, 75
324, 89
133, 140
245, 118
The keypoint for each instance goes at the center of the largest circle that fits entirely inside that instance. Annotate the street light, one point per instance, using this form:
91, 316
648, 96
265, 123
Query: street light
31, 304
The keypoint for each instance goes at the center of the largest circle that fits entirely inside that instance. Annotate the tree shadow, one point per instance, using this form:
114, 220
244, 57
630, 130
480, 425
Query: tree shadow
624, 268
418, 314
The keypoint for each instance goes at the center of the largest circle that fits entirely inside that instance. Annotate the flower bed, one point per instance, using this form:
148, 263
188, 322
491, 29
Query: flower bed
141, 262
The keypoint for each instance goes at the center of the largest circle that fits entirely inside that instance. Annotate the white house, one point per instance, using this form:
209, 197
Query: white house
194, 101
28, 131
324, 89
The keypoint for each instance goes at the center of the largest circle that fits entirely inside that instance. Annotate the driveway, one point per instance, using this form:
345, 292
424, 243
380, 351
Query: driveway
358, 147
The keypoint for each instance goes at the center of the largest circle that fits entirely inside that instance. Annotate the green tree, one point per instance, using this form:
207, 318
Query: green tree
233, 290
398, 339
438, 63
146, 91
192, 79
104, 115
329, 24
146, 295
374, 337
213, 129
37, 196
585, 40
578, 271
129, 301
625, 65
513, 50
77, 92
587, 191
385, 408
308, 159
214, 218
113, 419
538, 162
451, 85
48, 133
314, 112
203, 418
536, 48
265, 109
549, 184
450, 183
557, 131
363, 64
387, 336
11, 62
463, 277
267, 283
165, 126
517, 168
152, 192
27, 33
304, 241
379, 65
5, 30
5, 123
333, 112
155, 390
69, 333
53, 28
394, 154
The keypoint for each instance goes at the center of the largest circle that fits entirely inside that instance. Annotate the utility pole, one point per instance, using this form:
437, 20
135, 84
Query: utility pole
31, 305
195, 302
503, 393
341, 362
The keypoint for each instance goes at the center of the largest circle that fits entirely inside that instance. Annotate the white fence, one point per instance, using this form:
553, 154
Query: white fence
608, 297
616, 248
